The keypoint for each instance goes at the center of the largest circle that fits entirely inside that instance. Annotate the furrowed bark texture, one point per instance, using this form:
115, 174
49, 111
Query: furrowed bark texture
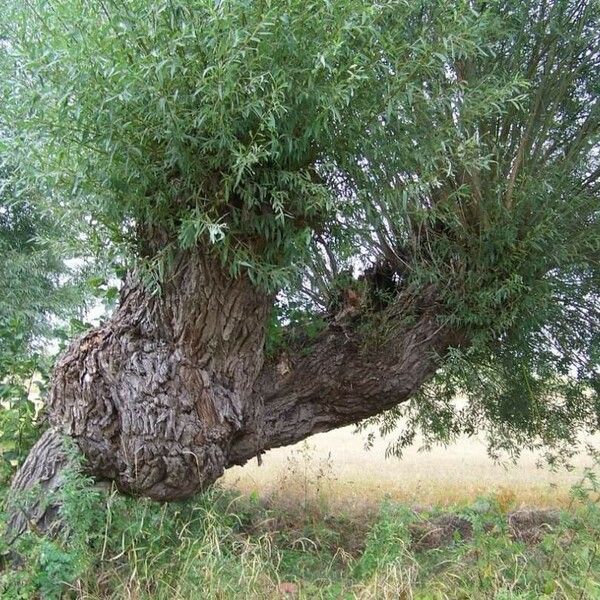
44, 466
340, 377
154, 397
173, 389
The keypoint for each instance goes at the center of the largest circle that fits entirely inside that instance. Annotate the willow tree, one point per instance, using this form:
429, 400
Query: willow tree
331, 211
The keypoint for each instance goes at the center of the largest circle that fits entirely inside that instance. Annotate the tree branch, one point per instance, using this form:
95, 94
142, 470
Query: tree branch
346, 374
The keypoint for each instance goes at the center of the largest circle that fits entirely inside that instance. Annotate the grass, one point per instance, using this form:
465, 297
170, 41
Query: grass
294, 543
444, 476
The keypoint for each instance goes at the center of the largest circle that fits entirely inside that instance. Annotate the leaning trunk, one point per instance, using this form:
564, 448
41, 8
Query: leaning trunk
155, 396
173, 389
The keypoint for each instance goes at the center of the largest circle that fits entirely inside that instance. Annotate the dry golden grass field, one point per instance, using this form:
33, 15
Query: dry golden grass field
335, 467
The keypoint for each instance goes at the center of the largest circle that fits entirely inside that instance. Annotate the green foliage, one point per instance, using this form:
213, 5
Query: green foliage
52, 563
457, 141
387, 542
291, 325
40, 293
20, 372
234, 122
49, 280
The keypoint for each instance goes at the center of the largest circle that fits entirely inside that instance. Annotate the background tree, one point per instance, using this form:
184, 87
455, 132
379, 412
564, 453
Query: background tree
41, 301
396, 200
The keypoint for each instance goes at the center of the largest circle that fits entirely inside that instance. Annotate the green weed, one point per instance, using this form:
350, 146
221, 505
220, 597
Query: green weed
221, 546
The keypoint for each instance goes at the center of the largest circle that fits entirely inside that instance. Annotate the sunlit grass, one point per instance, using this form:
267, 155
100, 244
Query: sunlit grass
357, 478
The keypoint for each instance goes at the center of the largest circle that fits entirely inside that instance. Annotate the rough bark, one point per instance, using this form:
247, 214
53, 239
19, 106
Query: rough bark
43, 467
154, 397
173, 389
346, 374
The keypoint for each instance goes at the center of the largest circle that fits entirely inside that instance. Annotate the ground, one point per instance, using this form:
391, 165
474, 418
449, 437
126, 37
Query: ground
351, 475
328, 520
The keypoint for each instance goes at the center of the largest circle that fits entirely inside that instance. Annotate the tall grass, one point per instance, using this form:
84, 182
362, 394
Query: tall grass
221, 546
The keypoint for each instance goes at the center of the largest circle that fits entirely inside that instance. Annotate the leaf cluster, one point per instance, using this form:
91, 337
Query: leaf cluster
455, 141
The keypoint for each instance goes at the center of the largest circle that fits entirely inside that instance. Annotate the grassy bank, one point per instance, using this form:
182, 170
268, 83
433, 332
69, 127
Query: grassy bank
222, 545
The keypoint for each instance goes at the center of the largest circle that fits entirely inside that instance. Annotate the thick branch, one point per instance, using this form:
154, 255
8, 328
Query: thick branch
343, 377
43, 468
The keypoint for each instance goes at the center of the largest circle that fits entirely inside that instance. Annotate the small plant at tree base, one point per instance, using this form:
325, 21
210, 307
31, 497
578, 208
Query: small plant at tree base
311, 473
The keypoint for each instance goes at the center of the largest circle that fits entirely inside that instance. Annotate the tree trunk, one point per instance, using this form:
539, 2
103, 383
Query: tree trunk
173, 389
155, 396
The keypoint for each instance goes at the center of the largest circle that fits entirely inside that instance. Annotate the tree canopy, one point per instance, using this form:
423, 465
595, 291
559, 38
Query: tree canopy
451, 144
